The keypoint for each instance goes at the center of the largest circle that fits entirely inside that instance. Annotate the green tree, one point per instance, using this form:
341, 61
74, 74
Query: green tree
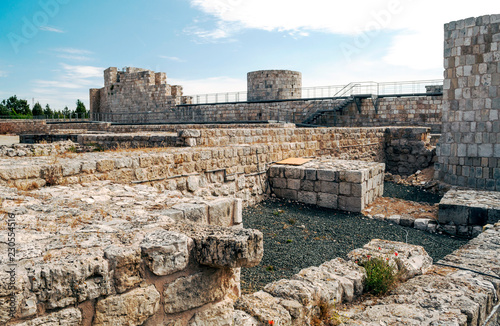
48, 111
66, 112
4, 110
37, 109
81, 111
18, 106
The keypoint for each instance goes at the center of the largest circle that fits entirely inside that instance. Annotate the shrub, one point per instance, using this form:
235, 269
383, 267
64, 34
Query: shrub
380, 276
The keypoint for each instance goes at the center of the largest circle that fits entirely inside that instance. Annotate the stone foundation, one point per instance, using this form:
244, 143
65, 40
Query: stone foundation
337, 184
464, 211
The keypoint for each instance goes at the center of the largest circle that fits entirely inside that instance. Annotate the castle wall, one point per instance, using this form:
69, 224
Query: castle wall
264, 85
469, 149
134, 90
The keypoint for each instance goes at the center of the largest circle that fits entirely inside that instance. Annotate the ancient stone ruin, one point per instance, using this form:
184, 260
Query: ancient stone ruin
141, 222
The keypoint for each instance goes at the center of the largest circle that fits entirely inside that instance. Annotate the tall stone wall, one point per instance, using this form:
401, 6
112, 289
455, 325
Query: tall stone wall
134, 90
469, 149
265, 85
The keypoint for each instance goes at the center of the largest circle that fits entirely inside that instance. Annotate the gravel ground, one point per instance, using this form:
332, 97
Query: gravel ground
297, 236
410, 193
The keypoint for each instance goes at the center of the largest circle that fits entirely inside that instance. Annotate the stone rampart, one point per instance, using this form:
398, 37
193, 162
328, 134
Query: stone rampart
469, 148
134, 90
274, 85
422, 111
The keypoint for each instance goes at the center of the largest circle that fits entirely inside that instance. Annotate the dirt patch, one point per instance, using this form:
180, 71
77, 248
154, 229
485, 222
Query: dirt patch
394, 206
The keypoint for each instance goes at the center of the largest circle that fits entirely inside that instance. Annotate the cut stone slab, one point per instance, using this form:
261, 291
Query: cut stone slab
469, 207
413, 259
336, 184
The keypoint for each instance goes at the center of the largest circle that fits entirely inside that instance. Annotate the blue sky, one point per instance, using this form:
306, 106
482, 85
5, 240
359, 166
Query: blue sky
55, 50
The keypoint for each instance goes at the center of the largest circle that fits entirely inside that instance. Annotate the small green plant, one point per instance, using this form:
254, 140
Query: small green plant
270, 268
380, 276
289, 241
278, 212
72, 149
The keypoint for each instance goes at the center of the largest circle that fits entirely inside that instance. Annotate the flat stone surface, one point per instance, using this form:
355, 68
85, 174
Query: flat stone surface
470, 207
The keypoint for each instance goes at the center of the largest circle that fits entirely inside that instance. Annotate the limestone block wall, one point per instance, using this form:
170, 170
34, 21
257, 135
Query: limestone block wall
469, 148
134, 90
337, 184
408, 150
274, 85
166, 274
391, 111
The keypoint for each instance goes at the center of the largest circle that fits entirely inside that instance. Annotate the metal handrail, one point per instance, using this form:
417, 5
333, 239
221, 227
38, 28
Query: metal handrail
355, 88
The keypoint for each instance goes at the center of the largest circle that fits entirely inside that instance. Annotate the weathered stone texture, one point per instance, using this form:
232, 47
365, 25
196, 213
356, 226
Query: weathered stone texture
131, 308
265, 85
469, 150
337, 184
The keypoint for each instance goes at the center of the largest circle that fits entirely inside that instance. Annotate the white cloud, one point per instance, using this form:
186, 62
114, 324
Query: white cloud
72, 83
418, 24
73, 54
51, 29
176, 59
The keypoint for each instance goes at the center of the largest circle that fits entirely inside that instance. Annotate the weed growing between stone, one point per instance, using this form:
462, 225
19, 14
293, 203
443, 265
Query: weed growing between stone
381, 277
327, 315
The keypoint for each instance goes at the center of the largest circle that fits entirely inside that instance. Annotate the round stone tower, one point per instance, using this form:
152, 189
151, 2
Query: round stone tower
268, 85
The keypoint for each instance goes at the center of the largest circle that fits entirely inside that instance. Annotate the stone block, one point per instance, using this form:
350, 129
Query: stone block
307, 197
293, 184
329, 187
71, 168
229, 248
421, 224
328, 200
327, 175
345, 189
394, 219
238, 211
289, 194
125, 262
166, 252
193, 183
279, 183
264, 307
105, 165
220, 212
359, 189
352, 176
310, 174
351, 204
131, 308
478, 216
292, 172
414, 259
175, 214
407, 220
72, 280
308, 185
456, 214
220, 314
65, 317
189, 292
197, 213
